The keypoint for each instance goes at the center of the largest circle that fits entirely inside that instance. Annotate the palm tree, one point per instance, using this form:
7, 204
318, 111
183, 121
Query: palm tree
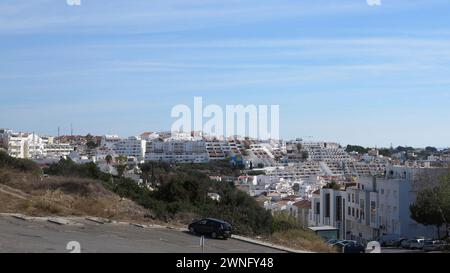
108, 159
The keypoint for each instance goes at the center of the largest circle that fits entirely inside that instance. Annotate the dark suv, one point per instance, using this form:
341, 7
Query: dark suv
211, 227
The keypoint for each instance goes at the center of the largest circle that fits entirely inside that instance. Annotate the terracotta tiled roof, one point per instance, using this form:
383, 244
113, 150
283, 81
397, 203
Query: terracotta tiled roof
302, 204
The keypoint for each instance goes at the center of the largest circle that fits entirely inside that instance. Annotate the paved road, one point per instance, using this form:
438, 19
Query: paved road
399, 250
41, 236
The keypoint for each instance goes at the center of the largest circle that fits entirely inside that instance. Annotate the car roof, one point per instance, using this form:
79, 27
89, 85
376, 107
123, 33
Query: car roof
216, 220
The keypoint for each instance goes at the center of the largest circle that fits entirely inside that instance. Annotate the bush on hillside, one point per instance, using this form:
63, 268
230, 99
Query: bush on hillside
24, 165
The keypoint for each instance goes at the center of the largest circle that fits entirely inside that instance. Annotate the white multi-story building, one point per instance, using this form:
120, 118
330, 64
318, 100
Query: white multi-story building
328, 209
325, 151
30, 145
221, 149
109, 140
176, 151
25, 145
4, 133
57, 149
375, 206
217, 150
131, 147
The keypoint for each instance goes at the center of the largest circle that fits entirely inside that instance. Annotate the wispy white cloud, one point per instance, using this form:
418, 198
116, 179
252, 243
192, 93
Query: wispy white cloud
156, 16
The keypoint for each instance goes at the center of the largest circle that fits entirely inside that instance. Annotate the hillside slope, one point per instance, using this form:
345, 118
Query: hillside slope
25, 190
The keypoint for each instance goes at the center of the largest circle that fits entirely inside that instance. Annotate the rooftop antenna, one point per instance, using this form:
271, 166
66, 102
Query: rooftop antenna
59, 129
71, 129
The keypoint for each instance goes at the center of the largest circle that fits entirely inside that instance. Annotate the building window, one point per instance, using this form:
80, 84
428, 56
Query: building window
338, 208
353, 212
362, 187
373, 207
349, 211
327, 205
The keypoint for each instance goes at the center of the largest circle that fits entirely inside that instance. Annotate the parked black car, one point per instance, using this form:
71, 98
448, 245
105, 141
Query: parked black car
346, 246
211, 227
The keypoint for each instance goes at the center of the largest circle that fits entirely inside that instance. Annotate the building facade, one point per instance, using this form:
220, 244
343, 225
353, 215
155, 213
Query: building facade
374, 206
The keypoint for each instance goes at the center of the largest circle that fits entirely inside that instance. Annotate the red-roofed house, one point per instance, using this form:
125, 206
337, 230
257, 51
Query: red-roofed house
300, 210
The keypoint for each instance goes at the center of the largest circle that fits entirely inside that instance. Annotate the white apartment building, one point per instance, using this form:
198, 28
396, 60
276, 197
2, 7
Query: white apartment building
4, 133
380, 206
109, 140
176, 151
375, 206
29, 145
328, 209
25, 145
57, 149
221, 149
218, 150
131, 147
325, 151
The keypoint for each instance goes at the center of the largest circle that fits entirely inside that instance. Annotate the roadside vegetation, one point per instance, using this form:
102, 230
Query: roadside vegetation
288, 231
24, 189
175, 194
432, 206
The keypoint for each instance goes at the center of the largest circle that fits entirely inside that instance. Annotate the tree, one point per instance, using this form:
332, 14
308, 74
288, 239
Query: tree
332, 185
385, 152
305, 155
121, 159
91, 145
108, 159
432, 206
356, 148
121, 169
426, 209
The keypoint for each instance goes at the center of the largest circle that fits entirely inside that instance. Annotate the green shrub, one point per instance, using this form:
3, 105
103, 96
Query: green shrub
24, 165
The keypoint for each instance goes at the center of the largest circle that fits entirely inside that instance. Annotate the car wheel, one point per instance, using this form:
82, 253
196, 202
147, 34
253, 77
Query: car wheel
214, 235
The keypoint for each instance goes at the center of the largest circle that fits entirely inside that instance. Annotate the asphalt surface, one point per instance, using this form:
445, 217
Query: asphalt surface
20, 236
399, 250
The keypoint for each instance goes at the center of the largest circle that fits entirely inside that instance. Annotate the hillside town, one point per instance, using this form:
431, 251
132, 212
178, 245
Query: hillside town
358, 193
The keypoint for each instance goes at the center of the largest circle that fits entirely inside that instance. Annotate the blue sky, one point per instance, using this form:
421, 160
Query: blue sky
340, 70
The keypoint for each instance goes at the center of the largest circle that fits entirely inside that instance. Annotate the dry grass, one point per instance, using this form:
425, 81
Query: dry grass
30, 194
301, 240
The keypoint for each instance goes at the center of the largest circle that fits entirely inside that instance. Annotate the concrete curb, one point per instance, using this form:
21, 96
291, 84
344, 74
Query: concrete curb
138, 225
96, 220
21, 217
253, 241
59, 221
261, 243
